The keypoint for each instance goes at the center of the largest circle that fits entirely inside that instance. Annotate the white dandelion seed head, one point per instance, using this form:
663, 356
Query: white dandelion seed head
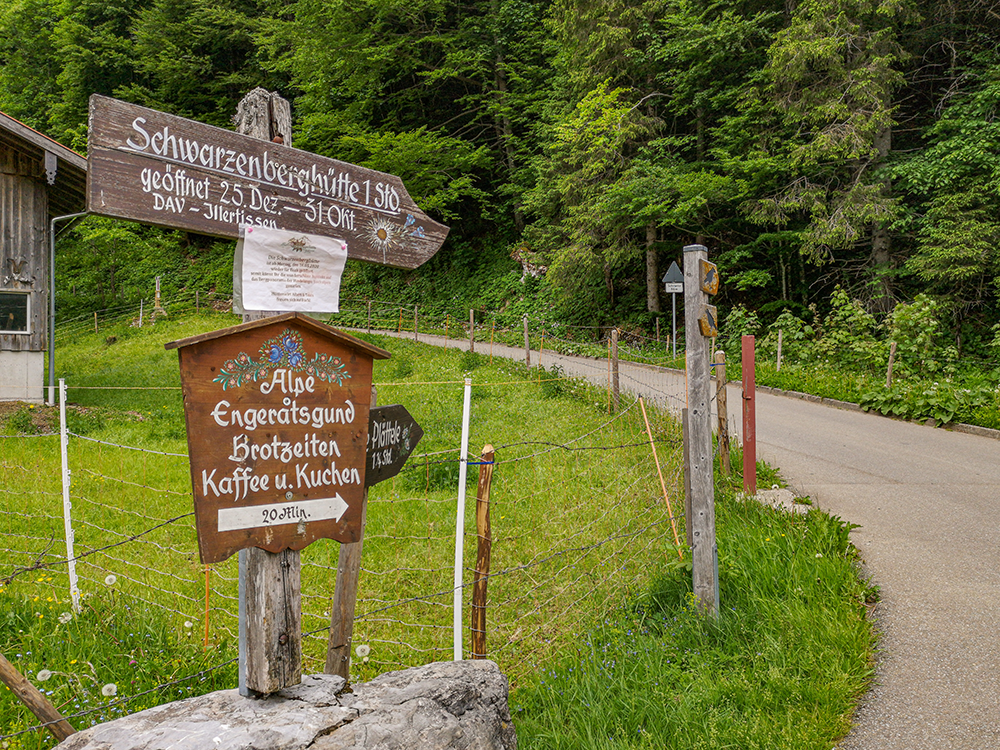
109, 690
188, 624
363, 650
65, 617
43, 675
111, 579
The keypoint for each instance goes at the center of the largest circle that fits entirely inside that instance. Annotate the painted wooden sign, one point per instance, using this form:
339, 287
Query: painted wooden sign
277, 419
392, 436
156, 168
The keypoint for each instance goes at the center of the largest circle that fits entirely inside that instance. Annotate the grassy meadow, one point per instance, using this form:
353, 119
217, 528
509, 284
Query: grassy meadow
588, 613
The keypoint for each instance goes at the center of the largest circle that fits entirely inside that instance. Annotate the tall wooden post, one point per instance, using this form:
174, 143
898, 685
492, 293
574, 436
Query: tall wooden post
270, 588
482, 573
472, 330
615, 392
345, 596
415, 323
527, 344
888, 370
704, 550
723, 410
780, 337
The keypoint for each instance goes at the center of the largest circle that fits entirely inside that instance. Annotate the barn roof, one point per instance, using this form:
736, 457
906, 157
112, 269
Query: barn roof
68, 189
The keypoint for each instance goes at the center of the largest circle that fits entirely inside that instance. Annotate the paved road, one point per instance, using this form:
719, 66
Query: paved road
926, 501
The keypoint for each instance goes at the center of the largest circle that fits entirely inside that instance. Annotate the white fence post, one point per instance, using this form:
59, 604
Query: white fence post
463, 469
74, 590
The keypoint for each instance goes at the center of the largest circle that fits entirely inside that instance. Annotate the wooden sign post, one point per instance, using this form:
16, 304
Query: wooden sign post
701, 279
277, 419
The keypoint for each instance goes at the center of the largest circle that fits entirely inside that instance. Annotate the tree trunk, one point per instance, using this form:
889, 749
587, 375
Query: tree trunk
652, 271
881, 255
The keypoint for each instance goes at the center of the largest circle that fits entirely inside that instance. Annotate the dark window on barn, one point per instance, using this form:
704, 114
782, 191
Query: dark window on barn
13, 312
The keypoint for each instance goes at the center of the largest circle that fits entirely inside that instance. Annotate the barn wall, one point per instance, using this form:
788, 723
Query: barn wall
24, 253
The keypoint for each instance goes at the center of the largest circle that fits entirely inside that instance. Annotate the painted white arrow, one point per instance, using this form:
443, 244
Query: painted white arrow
276, 514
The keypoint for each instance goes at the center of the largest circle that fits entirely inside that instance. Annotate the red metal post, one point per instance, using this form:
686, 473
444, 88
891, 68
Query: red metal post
749, 417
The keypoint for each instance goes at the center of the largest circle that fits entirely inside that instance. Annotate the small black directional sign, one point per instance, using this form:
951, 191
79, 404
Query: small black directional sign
392, 436
673, 280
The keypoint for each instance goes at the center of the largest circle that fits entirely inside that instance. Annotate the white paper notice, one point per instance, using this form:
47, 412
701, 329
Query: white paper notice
291, 271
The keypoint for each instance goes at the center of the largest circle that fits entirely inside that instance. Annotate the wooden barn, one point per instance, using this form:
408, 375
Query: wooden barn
39, 179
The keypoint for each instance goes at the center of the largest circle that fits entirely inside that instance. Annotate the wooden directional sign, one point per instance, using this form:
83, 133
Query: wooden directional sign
392, 436
277, 423
156, 168
709, 322
709, 277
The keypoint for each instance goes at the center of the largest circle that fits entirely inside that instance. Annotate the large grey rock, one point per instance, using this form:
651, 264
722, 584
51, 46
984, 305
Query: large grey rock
461, 705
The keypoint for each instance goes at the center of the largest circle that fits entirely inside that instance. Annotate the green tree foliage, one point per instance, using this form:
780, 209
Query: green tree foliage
809, 144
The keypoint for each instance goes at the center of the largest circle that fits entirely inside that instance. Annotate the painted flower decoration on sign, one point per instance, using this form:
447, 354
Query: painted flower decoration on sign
284, 351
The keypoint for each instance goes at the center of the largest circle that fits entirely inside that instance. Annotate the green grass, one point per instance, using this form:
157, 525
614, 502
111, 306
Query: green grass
780, 667
584, 568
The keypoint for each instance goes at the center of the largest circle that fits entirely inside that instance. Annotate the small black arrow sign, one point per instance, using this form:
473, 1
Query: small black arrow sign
392, 436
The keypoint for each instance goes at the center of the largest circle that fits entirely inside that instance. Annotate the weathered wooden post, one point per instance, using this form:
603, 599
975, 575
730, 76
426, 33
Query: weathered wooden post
31, 697
892, 359
416, 323
615, 391
701, 279
722, 408
341, 635
485, 537
472, 330
780, 337
527, 343
270, 583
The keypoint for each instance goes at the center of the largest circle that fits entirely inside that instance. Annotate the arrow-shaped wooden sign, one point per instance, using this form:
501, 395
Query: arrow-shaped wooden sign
161, 169
392, 436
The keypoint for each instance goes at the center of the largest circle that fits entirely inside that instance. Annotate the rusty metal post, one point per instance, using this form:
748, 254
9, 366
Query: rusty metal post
749, 417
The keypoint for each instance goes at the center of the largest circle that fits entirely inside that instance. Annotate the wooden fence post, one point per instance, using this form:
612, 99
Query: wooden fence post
472, 330
892, 359
615, 391
485, 536
95, 321
527, 344
780, 336
704, 552
369, 316
345, 596
723, 410
31, 697
415, 322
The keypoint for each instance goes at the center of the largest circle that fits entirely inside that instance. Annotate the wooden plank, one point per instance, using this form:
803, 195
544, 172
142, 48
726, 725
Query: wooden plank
722, 407
271, 641
160, 169
30, 696
704, 549
484, 548
345, 596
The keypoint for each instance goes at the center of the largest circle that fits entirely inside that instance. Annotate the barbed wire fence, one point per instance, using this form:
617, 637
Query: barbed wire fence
578, 521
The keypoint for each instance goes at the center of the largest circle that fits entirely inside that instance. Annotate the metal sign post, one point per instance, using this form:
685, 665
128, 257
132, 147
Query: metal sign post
673, 284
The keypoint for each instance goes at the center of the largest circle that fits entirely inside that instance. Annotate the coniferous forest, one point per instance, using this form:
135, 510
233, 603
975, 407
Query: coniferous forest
810, 145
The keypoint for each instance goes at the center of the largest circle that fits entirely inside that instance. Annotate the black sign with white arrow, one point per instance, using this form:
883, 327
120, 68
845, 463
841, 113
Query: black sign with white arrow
392, 436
